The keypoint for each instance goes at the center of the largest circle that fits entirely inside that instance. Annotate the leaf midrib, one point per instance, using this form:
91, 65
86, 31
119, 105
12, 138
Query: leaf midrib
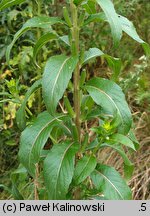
35, 140
98, 89
58, 74
58, 173
114, 23
92, 56
105, 177
83, 168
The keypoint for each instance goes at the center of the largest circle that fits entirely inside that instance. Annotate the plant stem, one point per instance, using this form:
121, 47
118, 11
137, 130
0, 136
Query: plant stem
76, 79
36, 184
75, 51
39, 7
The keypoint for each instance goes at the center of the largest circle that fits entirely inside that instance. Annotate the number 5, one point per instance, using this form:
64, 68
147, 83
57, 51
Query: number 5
143, 207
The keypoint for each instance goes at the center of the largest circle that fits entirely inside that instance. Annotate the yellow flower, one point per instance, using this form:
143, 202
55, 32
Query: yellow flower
107, 126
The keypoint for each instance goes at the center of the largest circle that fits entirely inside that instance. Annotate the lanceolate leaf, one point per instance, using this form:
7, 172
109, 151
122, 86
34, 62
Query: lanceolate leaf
57, 73
126, 25
114, 63
33, 139
119, 138
92, 53
21, 114
129, 29
42, 40
59, 168
112, 17
83, 169
110, 97
132, 137
35, 22
128, 166
119, 149
108, 181
8, 3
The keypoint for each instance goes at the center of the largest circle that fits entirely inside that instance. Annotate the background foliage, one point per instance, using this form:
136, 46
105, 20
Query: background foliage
134, 79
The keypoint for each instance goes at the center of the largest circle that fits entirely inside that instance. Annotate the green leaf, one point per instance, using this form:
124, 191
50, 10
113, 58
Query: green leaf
35, 22
108, 181
89, 6
59, 168
8, 3
119, 138
114, 63
98, 17
83, 169
77, 2
119, 149
65, 39
92, 53
94, 113
112, 17
128, 165
33, 139
42, 40
57, 73
126, 25
86, 106
128, 28
93, 144
128, 172
21, 114
146, 48
14, 177
110, 97
132, 137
